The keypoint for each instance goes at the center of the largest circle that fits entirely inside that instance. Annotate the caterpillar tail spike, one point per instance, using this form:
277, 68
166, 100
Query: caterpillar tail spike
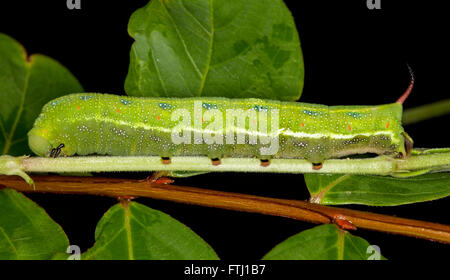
405, 95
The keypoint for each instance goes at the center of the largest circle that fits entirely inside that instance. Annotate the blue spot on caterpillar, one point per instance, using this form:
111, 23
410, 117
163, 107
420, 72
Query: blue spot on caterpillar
125, 102
85, 97
356, 115
209, 106
311, 113
260, 108
165, 106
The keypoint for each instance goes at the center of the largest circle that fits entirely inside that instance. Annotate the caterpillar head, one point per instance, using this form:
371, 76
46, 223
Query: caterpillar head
45, 144
38, 142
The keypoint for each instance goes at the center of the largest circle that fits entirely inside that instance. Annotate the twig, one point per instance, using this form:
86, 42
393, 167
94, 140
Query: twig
299, 210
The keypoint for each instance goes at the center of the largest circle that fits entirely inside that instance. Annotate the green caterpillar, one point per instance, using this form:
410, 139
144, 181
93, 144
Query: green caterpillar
90, 123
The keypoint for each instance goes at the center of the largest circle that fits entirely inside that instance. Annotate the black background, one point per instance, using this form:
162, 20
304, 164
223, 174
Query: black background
353, 56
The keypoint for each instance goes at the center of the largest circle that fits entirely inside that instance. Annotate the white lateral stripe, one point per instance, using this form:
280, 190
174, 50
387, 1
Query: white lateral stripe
282, 131
337, 136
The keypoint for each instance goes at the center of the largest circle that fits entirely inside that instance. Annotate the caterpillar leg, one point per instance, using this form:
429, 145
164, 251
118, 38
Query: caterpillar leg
56, 151
265, 162
317, 166
216, 161
166, 160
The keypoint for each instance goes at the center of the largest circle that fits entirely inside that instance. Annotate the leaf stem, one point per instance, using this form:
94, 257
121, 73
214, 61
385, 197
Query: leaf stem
427, 111
299, 210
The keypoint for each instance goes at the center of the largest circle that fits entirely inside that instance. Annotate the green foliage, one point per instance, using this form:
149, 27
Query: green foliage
325, 242
215, 48
376, 190
26, 84
132, 231
26, 231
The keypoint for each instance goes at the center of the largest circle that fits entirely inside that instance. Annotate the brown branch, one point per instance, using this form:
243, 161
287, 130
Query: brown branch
294, 209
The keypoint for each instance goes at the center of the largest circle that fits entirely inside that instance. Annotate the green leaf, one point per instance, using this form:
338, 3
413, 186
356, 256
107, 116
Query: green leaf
376, 190
130, 231
215, 48
325, 242
26, 84
26, 231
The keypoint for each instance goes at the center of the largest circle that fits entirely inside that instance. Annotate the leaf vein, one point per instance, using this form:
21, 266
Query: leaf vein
196, 20
211, 42
182, 40
19, 113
